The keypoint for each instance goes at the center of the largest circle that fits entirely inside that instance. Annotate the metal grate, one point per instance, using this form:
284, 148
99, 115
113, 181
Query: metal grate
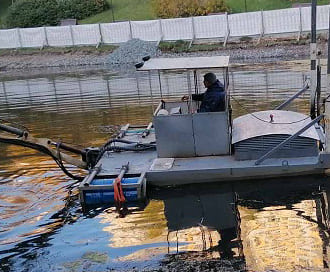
255, 147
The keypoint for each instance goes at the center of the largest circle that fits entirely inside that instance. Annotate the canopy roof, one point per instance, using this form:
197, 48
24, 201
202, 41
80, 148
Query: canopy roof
185, 63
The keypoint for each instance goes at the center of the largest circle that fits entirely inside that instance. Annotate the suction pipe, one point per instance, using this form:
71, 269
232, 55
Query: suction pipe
313, 52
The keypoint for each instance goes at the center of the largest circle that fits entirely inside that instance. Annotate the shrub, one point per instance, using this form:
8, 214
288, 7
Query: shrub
80, 9
31, 13
186, 8
28, 13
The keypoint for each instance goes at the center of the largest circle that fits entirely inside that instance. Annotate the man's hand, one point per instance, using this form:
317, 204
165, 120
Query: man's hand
185, 98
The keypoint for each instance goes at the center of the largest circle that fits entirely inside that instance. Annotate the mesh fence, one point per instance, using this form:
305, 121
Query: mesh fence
113, 33
208, 27
282, 21
9, 38
292, 20
146, 30
245, 24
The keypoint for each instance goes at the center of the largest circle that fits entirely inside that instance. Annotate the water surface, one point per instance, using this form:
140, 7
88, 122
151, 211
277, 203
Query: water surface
280, 224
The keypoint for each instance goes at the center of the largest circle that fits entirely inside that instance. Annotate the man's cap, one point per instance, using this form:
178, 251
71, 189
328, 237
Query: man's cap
210, 77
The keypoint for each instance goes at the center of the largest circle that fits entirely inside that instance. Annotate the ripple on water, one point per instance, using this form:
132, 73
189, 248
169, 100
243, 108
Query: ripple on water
41, 229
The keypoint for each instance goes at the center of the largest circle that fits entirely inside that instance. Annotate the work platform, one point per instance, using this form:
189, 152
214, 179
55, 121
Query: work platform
185, 146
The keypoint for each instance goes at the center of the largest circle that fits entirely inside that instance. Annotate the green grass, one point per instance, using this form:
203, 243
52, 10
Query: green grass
142, 9
124, 10
254, 5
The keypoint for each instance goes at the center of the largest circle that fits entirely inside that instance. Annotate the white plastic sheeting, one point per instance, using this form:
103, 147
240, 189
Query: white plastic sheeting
177, 29
116, 32
147, 30
33, 37
281, 21
9, 38
207, 27
59, 36
245, 24
86, 34
292, 20
322, 17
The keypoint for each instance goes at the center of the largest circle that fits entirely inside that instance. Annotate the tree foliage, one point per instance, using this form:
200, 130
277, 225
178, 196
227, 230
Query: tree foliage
31, 13
186, 8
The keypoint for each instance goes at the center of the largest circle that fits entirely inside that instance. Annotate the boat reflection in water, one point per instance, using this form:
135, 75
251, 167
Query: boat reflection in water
208, 211
274, 224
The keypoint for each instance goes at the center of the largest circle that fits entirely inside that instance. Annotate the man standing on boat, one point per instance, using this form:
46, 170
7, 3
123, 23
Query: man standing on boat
214, 99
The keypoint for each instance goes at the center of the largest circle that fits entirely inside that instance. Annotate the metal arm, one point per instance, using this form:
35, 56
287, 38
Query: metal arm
287, 102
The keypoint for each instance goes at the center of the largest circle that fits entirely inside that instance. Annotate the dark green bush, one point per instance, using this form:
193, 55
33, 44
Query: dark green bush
31, 13
80, 9
28, 13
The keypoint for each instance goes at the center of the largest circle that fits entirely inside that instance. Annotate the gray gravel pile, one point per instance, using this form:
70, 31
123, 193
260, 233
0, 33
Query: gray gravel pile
132, 52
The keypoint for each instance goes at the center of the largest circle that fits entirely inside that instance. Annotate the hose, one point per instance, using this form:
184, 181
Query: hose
137, 147
43, 150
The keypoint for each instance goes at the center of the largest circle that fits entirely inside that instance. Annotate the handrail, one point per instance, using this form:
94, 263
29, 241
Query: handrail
292, 137
288, 101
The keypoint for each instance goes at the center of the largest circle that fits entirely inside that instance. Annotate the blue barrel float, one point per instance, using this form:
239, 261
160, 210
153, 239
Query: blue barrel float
100, 190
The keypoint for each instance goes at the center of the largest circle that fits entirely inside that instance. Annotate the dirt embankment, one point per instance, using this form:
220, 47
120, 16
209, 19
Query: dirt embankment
59, 59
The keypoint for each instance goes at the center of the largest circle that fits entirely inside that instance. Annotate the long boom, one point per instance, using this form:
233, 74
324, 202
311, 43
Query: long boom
21, 137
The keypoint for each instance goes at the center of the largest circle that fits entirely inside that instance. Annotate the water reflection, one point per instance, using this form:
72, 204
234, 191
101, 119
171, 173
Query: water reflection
280, 225
66, 94
271, 226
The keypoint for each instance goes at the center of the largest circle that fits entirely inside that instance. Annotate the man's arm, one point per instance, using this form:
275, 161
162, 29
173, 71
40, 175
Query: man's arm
197, 97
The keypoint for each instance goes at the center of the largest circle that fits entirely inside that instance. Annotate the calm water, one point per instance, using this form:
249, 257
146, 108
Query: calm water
280, 224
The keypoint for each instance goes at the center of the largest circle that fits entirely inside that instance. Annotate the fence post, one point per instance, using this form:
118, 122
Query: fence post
71, 33
300, 24
101, 37
228, 30
160, 30
19, 38
130, 30
262, 30
46, 38
194, 32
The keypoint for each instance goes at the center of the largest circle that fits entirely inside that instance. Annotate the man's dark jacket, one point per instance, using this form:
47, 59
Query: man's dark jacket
214, 99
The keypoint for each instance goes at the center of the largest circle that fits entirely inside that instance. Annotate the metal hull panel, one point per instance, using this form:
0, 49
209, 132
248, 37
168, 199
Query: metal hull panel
179, 171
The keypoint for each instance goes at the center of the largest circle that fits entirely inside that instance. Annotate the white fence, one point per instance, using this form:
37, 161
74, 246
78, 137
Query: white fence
292, 20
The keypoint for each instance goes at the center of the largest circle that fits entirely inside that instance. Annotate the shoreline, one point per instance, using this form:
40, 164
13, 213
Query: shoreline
29, 62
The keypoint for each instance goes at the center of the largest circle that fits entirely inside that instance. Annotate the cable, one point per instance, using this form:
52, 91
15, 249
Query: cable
44, 150
108, 146
265, 121
13, 123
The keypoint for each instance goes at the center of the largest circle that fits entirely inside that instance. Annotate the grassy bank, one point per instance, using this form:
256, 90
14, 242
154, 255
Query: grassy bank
254, 5
123, 10
245, 42
142, 9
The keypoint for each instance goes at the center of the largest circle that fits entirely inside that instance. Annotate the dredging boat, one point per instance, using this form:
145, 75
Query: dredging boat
182, 146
